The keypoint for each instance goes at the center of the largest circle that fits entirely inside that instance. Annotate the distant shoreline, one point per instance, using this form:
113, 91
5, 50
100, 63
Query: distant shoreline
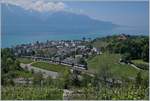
44, 40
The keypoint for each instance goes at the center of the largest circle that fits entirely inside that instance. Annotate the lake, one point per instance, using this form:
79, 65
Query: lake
9, 39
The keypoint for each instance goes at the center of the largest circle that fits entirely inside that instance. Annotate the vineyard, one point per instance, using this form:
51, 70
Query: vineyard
111, 93
31, 93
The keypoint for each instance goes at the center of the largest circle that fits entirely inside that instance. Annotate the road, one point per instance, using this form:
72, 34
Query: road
45, 73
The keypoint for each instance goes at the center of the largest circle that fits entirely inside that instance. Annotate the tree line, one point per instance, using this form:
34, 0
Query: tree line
136, 47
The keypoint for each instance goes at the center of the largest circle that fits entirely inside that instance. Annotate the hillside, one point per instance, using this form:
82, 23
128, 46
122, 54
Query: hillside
111, 62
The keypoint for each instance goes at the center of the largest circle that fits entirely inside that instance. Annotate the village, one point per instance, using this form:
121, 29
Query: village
70, 52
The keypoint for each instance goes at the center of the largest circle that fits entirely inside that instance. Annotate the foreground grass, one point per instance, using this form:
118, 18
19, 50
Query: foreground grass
128, 92
30, 93
25, 60
112, 62
51, 67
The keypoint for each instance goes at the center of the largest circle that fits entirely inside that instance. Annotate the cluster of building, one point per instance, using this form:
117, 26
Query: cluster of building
70, 51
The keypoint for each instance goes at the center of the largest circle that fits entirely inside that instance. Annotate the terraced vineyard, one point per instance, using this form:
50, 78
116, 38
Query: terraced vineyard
31, 93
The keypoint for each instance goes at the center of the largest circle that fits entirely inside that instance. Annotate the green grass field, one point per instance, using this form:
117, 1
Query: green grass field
112, 62
24, 74
25, 60
140, 62
51, 67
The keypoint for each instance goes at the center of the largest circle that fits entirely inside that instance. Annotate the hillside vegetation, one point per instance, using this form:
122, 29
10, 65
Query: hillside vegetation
111, 61
137, 47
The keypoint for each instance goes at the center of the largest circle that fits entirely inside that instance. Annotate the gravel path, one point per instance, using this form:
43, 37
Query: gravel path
45, 73
135, 66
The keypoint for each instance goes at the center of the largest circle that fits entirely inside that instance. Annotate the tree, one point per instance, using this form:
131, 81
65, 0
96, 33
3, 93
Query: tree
32, 70
8, 66
89, 46
83, 38
66, 78
126, 58
48, 81
104, 73
82, 61
75, 79
96, 83
145, 53
139, 79
37, 79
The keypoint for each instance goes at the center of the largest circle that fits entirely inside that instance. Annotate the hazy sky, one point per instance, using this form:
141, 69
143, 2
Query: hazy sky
130, 13
123, 13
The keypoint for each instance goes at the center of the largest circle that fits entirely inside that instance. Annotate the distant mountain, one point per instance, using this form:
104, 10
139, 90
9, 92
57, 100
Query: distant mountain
18, 20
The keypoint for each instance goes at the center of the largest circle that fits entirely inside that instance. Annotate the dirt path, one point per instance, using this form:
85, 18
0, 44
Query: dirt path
135, 66
45, 73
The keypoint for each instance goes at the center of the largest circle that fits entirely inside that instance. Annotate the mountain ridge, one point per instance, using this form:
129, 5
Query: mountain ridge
18, 20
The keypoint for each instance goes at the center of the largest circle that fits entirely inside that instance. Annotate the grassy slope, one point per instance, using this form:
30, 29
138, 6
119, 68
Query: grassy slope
51, 67
146, 72
99, 44
24, 74
140, 62
25, 60
112, 61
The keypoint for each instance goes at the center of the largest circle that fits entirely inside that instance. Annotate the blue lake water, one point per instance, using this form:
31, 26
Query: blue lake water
9, 39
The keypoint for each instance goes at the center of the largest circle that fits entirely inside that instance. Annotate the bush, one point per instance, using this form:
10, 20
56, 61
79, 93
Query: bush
126, 58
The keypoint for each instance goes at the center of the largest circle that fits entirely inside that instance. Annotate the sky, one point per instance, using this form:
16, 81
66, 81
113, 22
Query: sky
122, 13
128, 13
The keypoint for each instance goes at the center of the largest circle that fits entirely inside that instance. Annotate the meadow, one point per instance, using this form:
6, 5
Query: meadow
51, 67
112, 62
25, 60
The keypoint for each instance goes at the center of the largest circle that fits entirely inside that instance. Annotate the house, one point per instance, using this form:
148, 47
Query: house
122, 37
81, 47
78, 56
96, 50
